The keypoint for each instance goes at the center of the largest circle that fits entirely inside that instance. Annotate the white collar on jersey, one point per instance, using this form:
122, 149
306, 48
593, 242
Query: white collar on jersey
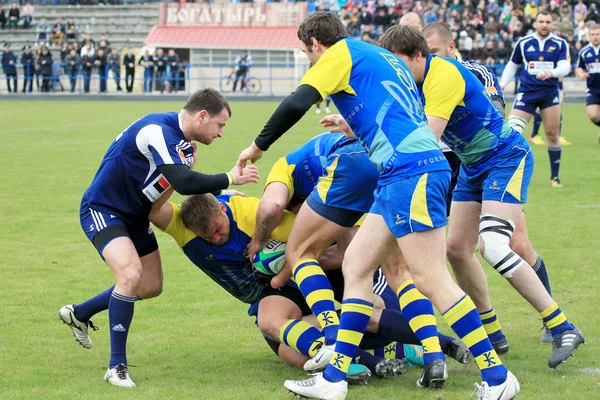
543, 41
179, 121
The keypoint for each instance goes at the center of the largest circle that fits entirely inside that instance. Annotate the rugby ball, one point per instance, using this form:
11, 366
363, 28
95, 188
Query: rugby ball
271, 259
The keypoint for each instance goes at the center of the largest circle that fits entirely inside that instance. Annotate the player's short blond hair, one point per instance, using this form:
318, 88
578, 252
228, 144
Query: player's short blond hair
440, 29
198, 210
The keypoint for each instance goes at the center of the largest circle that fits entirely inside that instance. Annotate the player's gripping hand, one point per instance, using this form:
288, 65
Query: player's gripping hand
250, 153
282, 276
337, 123
248, 174
261, 278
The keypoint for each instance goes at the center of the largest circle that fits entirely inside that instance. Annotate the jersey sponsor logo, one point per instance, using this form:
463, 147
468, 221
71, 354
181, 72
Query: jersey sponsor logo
400, 219
494, 186
156, 188
185, 159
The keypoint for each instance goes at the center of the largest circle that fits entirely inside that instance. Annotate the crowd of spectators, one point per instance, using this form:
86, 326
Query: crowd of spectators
485, 31
59, 55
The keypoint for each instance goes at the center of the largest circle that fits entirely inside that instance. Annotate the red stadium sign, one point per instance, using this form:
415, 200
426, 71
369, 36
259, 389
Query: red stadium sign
233, 14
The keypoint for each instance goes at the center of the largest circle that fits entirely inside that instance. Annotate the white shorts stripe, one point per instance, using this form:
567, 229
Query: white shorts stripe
95, 220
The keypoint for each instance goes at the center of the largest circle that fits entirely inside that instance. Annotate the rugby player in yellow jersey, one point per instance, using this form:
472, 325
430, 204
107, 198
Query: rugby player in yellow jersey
376, 95
497, 164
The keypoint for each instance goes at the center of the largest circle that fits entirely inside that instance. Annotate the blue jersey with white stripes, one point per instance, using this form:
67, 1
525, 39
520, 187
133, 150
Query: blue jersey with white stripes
486, 76
536, 55
589, 61
128, 181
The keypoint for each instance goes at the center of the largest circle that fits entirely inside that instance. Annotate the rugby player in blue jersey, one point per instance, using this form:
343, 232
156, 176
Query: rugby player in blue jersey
588, 68
497, 164
377, 96
146, 159
440, 42
543, 58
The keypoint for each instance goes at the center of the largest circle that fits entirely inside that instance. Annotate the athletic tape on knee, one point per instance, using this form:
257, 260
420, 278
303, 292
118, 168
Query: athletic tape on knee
495, 233
518, 124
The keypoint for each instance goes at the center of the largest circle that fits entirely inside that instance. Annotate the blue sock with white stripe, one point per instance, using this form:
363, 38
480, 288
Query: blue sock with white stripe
120, 314
93, 306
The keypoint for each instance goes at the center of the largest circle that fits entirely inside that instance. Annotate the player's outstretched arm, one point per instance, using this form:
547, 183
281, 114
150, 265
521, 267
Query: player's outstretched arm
188, 182
508, 74
161, 214
269, 215
290, 111
437, 125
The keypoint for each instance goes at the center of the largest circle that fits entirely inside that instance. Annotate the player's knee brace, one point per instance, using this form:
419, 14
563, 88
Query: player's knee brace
495, 233
517, 123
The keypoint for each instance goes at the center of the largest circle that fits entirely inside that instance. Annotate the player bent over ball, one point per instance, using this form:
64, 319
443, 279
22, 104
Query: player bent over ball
214, 234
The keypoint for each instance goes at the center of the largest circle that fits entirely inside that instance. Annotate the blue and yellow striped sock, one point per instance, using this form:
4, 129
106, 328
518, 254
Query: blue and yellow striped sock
302, 337
356, 314
491, 325
418, 311
555, 320
464, 321
317, 291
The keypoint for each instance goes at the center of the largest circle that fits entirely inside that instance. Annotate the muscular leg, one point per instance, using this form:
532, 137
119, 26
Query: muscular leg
463, 231
519, 119
310, 237
593, 113
551, 120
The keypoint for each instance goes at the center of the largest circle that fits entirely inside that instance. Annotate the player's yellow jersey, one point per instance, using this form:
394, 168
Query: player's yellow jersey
375, 92
228, 264
475, 129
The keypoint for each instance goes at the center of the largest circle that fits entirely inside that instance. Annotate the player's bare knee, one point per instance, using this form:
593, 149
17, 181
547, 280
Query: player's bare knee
456, 251
149, 291
494, 236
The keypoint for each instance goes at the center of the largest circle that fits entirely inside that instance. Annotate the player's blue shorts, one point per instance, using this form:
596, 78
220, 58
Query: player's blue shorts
592, 97
345, 193
102, 226
413, 204
506, 177
542, 99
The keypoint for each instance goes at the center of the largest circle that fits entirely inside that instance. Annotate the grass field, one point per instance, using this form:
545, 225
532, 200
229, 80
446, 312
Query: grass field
195, 341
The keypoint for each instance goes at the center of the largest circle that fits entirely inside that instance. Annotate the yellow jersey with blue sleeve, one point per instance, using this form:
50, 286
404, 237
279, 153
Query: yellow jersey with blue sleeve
228, 264
375, 92
333, 174
475, 130
497, 162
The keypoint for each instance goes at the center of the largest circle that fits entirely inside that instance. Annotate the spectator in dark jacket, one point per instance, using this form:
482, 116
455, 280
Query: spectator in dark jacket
129, 63
45, 62
13, 16
86, 70
71, 30
114, 64
101, 63
9, 66
28, 62
502, 53
72, 63
160, 60
2, 19
173, 66
477, 53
